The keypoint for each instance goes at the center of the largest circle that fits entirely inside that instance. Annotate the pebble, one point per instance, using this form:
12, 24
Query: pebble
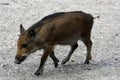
5, 3
116, 58
116, 34
4, 66
72, 60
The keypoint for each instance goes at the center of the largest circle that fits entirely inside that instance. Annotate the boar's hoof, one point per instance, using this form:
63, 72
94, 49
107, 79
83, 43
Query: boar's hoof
86, 62
56, 65
65, 60
38, 72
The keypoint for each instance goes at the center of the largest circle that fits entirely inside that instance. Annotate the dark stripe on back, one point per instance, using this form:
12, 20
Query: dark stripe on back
40, 23
52, 16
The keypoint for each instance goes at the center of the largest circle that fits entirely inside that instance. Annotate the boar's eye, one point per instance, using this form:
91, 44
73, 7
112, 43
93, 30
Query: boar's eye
24, 45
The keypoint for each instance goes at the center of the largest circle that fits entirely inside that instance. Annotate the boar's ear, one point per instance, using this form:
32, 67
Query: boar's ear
31, 33
21, 29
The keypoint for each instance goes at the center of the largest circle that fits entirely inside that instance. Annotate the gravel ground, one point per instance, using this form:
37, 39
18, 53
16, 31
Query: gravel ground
105, 35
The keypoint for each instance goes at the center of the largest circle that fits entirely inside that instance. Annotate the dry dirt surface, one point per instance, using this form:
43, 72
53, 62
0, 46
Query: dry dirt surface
105, 64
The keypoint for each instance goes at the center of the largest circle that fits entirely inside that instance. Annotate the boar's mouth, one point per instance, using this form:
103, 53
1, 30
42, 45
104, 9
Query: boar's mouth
18, 60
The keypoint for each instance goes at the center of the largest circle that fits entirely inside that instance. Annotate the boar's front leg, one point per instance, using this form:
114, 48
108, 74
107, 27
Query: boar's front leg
52, 55
47, 51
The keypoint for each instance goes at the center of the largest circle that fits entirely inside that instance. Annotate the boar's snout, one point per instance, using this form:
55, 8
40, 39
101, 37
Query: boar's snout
18, 60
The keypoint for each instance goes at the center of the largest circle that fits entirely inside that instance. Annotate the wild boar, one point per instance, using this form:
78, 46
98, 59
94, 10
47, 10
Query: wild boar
63, 28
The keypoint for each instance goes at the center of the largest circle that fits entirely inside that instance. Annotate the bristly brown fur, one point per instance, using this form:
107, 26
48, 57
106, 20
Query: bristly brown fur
64, 28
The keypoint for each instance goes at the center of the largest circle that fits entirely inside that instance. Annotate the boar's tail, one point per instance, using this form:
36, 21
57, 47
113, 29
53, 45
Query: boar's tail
96, 17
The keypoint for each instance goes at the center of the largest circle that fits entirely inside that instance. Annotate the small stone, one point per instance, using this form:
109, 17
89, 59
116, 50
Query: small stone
88, 69
72, 60
71, 69
116, 58
3, 65
116, 34
5, 3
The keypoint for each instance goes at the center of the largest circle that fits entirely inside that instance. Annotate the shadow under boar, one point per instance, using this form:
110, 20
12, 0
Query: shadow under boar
63, 28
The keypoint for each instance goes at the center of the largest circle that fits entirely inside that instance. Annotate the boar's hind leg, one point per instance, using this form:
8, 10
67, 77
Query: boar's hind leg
52, 55
73, 48
47, 51
87, 41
